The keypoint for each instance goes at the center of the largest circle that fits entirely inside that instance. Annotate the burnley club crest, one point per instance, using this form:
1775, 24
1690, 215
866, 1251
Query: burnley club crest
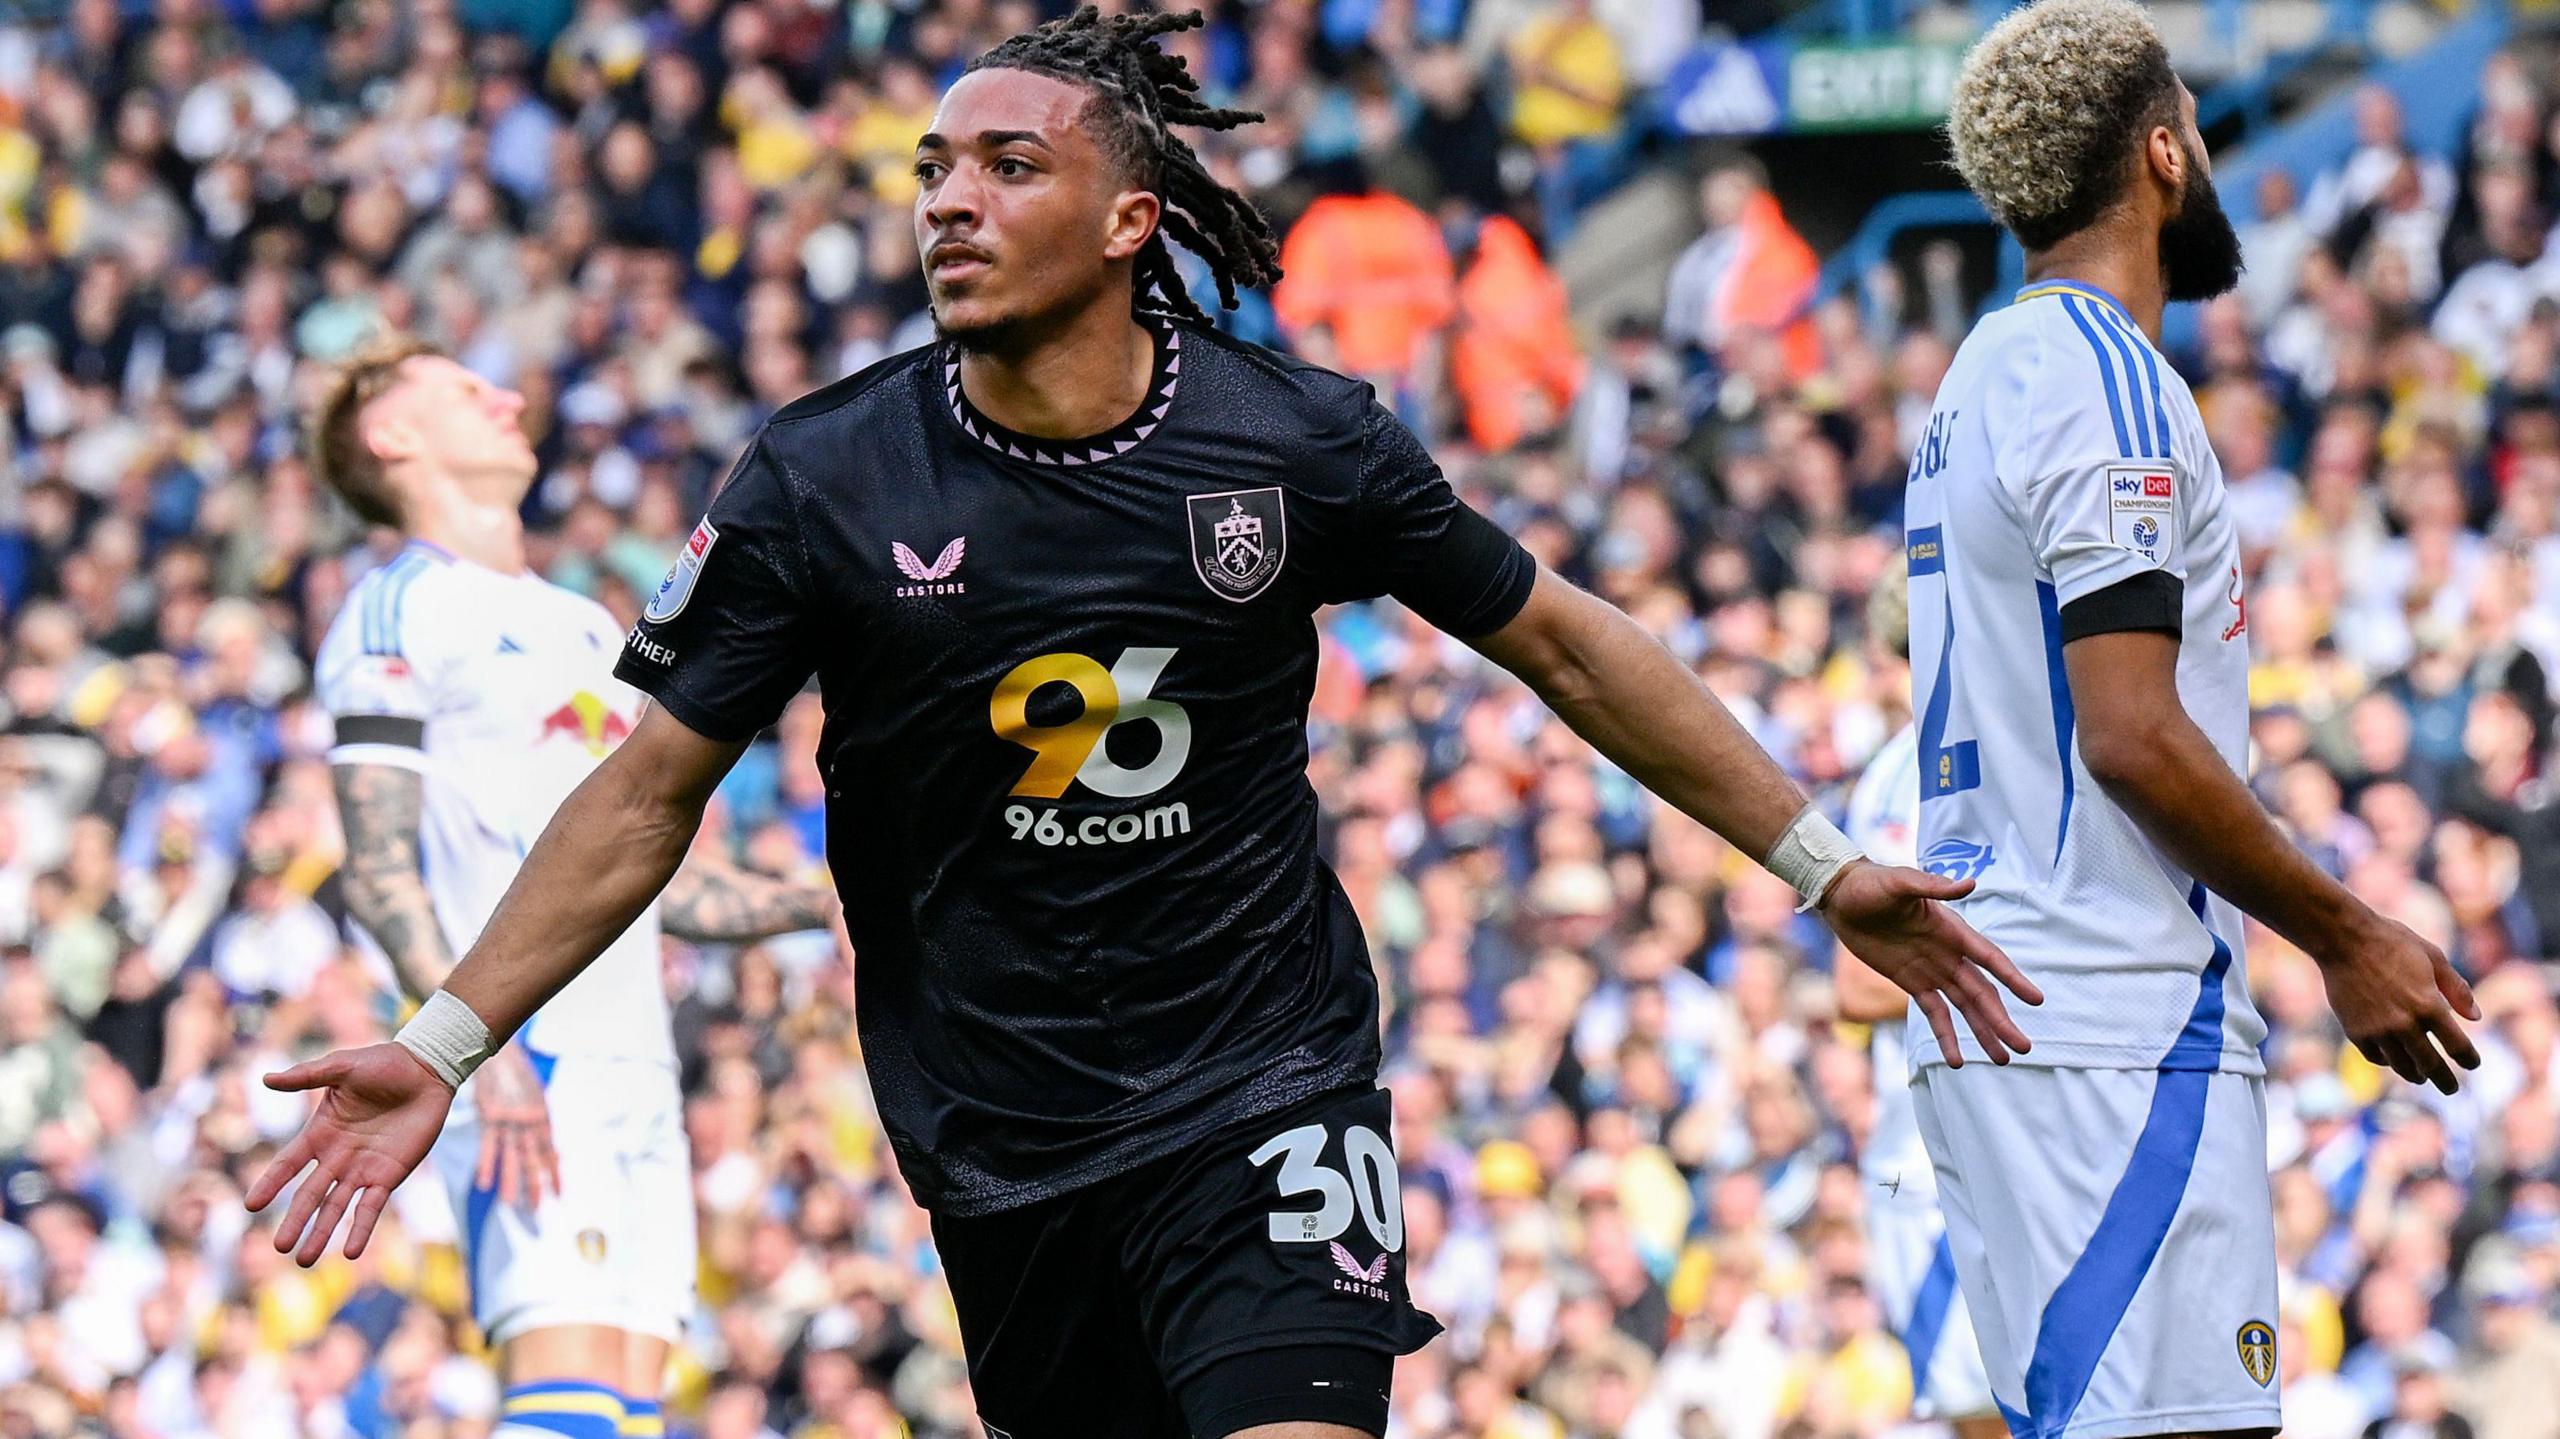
1238, 540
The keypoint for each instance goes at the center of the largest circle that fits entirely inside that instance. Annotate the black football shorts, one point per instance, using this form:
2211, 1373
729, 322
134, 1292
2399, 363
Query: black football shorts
1256, 1278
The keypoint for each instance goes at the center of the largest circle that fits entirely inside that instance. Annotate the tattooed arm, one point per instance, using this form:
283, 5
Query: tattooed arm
713, 903
380, 806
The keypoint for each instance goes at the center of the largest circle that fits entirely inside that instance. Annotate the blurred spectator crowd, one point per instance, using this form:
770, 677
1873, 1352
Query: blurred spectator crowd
1628, 1117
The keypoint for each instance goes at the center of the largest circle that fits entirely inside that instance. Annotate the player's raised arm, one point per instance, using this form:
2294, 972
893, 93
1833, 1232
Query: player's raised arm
2394, 993
1636, 703
608, 851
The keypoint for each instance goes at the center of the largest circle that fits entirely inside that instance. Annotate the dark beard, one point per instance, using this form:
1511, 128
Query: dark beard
2199, 251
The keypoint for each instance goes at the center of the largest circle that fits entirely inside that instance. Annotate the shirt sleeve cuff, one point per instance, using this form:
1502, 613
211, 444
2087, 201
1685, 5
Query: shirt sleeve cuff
1503, 600
662, 687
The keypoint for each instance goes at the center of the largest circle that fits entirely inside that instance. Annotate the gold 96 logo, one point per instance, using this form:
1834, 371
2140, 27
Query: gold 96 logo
1073, 751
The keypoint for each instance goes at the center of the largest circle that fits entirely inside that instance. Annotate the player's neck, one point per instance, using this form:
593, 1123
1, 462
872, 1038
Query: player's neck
1080, 379
490, 536
2105, 259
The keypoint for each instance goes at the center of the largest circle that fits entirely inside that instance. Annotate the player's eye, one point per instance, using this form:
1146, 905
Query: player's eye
1012, 167
929, 171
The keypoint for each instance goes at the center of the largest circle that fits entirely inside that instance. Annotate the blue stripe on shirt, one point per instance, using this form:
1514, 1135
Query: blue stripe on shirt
2106, 372
2151, 372
382, 604
2065, 719
2132, 373
2199, 1045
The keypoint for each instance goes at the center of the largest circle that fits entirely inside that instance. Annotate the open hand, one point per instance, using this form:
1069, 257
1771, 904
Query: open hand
1896, 920
380, 1110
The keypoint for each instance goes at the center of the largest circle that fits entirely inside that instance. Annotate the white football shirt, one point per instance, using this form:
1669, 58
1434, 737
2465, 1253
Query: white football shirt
511, 678
2065, 456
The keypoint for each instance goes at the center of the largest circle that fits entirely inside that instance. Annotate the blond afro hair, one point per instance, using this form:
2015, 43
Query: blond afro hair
2049, 107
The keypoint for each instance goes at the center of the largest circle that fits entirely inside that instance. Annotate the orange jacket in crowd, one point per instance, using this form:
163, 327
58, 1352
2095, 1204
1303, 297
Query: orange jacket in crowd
1770, 283
1516, 365
1373, 270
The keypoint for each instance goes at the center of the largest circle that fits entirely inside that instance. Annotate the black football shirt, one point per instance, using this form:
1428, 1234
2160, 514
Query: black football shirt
1066, 691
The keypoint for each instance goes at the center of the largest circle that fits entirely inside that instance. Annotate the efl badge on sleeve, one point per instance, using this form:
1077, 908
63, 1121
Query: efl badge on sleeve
677, 587
1238, 539
2142, 509
379, 685
2258, 1351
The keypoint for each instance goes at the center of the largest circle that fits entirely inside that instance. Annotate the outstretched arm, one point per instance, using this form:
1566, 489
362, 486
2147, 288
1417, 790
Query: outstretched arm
2393, 992
607, 851
1636, 703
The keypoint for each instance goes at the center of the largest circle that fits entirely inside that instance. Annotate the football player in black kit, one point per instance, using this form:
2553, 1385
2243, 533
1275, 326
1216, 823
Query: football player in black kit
1055, 578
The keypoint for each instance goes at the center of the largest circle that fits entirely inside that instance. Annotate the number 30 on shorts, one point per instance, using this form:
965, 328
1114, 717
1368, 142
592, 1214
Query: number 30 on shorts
1370, 1189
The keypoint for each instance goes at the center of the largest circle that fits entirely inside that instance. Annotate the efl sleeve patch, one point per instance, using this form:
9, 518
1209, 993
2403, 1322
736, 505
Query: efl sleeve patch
376, 685
723, 649
2142, 509
677, 587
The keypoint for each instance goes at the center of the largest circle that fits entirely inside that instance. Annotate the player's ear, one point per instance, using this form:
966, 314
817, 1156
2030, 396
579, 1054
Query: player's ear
2165, 156
385, 430
1133, 217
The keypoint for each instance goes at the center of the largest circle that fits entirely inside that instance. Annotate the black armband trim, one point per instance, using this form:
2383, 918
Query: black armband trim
2153, 601
383, 729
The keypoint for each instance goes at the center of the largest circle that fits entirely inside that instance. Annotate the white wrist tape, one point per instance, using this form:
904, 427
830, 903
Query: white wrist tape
447, 1037
1810, 855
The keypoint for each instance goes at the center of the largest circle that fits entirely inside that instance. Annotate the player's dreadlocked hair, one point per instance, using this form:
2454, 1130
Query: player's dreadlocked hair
1142, 92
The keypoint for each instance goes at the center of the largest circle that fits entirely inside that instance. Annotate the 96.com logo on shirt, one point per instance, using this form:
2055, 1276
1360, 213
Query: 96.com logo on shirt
1072, 750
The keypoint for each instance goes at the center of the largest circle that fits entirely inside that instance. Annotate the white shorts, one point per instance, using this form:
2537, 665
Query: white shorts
1912, 1269
615, 1246
2114, 1238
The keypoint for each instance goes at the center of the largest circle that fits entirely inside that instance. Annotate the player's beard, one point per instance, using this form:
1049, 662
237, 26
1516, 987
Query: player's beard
2199, 251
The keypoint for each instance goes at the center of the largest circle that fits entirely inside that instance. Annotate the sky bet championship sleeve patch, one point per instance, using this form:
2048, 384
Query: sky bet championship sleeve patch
677, 587
376, 685
2142, 509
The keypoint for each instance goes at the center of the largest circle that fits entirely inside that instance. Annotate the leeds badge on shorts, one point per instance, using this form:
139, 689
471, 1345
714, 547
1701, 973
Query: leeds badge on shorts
2257, 1341
1238, 539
